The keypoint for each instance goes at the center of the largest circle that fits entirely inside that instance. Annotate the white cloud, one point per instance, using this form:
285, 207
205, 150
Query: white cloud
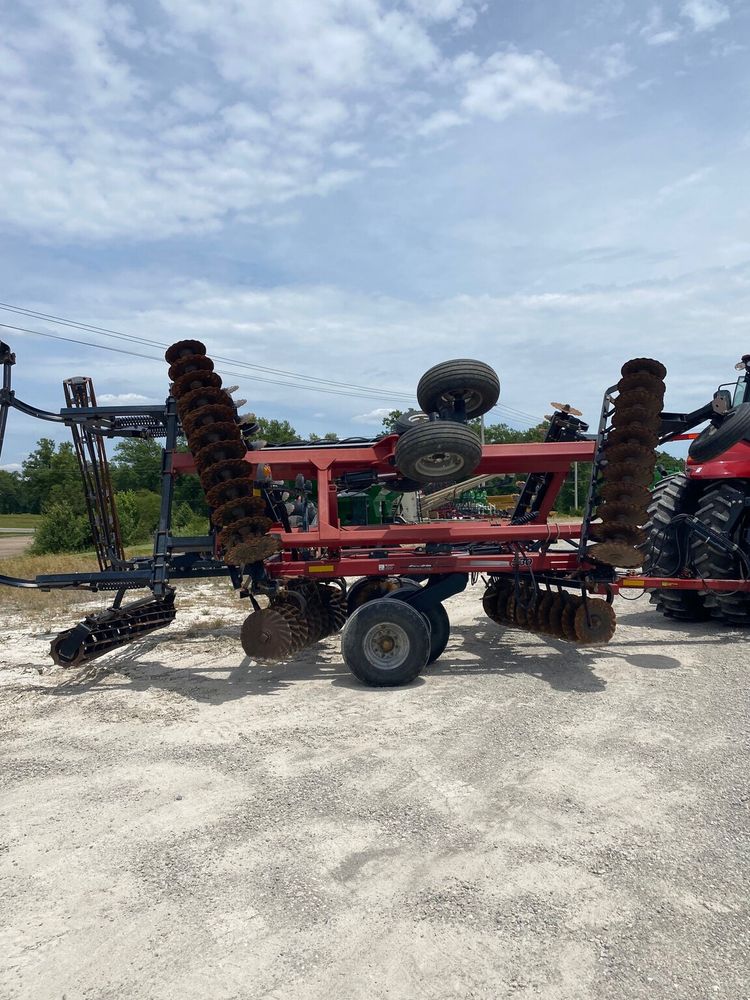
110, 399
511, 81
201, 113
705, 14
656, 32
11, 467
375, 417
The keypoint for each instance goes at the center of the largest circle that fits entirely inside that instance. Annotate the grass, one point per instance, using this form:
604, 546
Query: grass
20, 520
27, 567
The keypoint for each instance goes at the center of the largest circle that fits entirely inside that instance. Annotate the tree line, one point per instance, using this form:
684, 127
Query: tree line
49, 484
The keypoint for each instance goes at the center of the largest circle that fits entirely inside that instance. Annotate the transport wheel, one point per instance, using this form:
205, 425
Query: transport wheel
410, 419
474, 382
386, 643
438, 452
440, 630
714, 441
369, 588
715, 510
666, 549
600, 626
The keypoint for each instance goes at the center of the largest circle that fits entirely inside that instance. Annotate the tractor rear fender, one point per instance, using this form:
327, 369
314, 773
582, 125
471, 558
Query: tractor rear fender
732, 464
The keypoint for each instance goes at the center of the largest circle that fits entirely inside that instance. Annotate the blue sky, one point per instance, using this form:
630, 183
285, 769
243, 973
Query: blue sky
357, 190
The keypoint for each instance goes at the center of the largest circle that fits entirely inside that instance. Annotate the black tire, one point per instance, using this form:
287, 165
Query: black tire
412, 418
714, 441
369, 632
438, 452
473, 381
667, 547
436, 617
440, 630
712, 562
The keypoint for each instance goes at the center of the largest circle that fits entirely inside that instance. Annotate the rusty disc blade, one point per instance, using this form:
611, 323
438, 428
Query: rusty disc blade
555, 614
195, 380
598, 626
543, 612
226, 431
567, 620
609, 531
629, 415
638, 397
215, 413
625, 494
267, 635
203, 396
295, 616
192, 363
648, 365
629, 473
566, 408
615, 553
630, 450
333, 602
183, 349
239, 509
230, 490
244, 529
640, 380
253, 549
490, 602
623, 513
221, 451
632, 434
231, 468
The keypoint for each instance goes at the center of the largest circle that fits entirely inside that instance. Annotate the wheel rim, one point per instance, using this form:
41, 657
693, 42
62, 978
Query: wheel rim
386, 646
440, 463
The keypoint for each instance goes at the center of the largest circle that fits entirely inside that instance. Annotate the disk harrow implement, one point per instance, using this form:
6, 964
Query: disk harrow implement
212, 429
277, 533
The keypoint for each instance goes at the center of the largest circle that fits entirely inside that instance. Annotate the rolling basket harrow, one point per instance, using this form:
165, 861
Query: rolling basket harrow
557, 579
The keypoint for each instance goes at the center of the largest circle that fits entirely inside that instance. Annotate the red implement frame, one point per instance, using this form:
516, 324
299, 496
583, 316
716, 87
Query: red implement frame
395, 549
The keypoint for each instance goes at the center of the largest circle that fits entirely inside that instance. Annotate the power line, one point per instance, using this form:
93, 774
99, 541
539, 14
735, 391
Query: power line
319, 384
116, 334
151, 357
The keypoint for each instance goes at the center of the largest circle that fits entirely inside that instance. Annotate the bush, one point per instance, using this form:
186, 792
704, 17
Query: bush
62, 530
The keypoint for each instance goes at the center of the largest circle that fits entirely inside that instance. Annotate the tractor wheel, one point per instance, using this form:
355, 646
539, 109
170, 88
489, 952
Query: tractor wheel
715, 510
438, 452
714, 441
666, 548
473, 381
386, 643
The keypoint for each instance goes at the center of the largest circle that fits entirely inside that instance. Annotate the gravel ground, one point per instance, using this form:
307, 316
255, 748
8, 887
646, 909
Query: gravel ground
527, 820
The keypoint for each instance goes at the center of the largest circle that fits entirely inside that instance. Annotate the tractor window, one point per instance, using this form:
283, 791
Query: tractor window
741, 392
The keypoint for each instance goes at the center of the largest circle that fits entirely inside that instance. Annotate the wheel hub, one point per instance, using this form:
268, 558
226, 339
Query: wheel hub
386, 645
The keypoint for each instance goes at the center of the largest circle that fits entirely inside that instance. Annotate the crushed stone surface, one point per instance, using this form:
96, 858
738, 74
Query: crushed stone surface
528, 820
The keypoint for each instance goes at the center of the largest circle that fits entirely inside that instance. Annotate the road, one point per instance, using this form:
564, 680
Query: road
528, 820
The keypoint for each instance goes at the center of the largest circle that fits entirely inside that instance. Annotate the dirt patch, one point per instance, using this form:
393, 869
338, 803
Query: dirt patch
527, 820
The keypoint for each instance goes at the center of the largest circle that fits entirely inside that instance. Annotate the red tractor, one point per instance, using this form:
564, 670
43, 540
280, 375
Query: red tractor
699, 520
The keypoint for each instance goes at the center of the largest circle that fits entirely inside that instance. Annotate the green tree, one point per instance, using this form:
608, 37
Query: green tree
12, 494
136, 465
49, 474
128, 516
276, 431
